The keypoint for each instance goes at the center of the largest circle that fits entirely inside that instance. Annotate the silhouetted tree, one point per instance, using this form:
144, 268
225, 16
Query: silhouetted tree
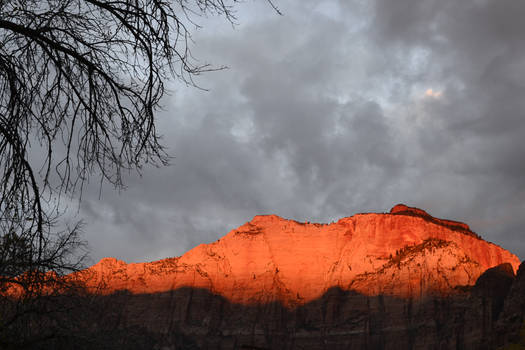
80, 82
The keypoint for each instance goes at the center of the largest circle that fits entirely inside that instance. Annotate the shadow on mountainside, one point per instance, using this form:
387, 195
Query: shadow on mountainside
479, 317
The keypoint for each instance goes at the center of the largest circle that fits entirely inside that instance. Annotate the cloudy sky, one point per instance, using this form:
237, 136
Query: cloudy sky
334, 108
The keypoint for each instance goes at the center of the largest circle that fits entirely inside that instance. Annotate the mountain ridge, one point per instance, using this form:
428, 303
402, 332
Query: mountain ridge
404, 253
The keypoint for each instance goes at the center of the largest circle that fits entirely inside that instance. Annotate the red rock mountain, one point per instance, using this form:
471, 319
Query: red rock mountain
405, 253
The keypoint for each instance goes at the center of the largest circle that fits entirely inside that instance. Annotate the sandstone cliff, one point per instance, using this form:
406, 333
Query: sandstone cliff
400, 280
404, 253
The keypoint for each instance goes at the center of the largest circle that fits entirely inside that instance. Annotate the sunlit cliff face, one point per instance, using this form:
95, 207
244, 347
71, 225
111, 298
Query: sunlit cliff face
405, 253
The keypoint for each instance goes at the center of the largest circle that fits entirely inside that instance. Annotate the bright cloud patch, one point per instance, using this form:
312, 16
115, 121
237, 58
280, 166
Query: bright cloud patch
434, 94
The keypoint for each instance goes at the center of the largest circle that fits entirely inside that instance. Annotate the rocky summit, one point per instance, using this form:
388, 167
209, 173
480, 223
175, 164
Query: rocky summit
397, 280
404, 253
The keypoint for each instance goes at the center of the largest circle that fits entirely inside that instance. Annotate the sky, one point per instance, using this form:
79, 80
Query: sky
334, 108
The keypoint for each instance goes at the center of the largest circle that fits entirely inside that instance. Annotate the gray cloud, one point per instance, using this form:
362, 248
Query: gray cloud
326, 112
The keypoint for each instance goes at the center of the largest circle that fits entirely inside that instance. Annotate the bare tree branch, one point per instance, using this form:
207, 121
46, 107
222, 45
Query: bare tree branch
80, 84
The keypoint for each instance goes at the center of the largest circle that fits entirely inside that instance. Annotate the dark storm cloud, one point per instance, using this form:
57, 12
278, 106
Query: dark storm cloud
477, 48
336, 108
